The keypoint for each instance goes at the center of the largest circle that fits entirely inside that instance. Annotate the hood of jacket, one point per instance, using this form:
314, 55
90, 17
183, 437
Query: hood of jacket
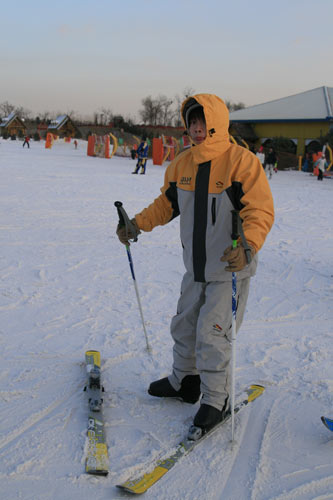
217, 124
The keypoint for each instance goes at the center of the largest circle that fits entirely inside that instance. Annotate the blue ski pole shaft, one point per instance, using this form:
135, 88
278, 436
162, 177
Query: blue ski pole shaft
234, 236
129, 255
124, 221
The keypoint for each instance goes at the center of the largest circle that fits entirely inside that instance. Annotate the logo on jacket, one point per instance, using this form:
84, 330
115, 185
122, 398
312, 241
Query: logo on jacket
185, 180
219, 184
217, 328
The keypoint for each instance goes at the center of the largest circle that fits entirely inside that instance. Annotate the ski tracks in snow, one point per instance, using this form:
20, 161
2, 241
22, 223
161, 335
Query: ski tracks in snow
240, 480
269, 451
304, 471
32, 420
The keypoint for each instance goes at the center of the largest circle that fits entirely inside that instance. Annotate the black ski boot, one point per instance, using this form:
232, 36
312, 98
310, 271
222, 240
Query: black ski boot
206, 419
189, 391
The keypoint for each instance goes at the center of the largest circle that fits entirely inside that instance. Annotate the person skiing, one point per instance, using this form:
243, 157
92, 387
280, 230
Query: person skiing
26, 141
202, 185
271, 160
142, 153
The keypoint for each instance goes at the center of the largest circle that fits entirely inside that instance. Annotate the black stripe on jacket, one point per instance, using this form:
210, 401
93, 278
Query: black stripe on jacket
200, 221
236, 193
172, 194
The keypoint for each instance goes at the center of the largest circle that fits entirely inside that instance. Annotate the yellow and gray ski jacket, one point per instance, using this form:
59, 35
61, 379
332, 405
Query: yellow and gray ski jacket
202, 185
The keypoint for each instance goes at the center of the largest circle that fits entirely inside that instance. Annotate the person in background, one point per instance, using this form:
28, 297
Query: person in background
202, 185
142, 153
261, 156
26, 141
321, 164
305, 167
271, 160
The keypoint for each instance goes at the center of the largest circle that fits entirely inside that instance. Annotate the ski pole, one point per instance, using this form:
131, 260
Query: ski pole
125, 221
234, 235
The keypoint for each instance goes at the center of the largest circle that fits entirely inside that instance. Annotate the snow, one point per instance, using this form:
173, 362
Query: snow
66, 287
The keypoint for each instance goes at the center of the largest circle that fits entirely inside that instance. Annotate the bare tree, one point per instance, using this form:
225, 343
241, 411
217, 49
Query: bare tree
107, 115
166, 113
179, 99
234, 106
157, 111
72, 114
45, 116
6, 108
150, 112
23, 112
238, 105
187, 92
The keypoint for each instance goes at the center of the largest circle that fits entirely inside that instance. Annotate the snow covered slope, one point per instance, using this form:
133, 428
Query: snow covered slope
65, 287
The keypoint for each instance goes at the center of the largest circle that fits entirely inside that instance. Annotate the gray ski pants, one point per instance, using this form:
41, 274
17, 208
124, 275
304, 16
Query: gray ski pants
201, 331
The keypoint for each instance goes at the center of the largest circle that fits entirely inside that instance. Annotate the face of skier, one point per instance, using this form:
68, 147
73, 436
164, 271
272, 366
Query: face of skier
197, 130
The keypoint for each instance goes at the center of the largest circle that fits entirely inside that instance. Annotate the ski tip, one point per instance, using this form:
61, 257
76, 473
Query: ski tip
256, 390
327, 422
93, 357
92, 352
98, 472
133, 488
143, 483
128, 490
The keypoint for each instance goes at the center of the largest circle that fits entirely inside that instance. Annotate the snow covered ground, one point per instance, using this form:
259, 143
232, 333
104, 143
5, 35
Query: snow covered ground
65, 287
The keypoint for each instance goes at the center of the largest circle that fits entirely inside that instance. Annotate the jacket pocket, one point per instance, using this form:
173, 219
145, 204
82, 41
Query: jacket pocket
213, 211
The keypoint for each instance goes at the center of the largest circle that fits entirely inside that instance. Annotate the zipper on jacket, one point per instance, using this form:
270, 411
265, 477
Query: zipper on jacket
213, 211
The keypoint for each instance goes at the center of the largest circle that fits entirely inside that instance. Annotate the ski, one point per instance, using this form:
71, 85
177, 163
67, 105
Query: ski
96, 449
328, 423
142, 483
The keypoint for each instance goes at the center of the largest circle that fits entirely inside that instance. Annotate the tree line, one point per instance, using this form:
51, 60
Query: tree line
156, 111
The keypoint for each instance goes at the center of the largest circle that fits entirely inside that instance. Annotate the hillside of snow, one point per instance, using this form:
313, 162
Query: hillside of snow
66, 287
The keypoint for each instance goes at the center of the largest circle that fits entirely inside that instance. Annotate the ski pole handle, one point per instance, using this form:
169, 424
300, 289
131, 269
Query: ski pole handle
236, 232
119, 205
235, 227
125, 221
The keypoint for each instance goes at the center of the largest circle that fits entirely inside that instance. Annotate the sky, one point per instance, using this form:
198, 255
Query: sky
83, 56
